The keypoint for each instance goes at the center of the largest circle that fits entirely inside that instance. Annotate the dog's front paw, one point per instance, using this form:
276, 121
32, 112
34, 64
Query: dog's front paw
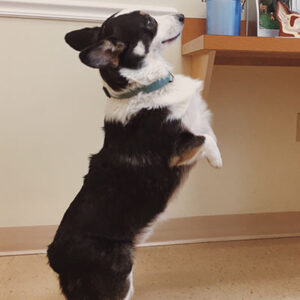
216, 161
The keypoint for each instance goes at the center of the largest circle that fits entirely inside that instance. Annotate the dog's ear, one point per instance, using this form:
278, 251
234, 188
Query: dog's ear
105, 53
83, 38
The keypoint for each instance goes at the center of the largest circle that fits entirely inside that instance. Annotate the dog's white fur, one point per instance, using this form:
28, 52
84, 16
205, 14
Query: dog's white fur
131, 288
140, 49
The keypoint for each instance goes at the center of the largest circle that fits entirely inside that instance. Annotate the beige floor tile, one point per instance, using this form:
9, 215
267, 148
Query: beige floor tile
264, 269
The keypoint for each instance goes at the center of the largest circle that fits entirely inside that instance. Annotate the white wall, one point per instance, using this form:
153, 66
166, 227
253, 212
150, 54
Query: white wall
191, 8
50, 119
52, 112
255, 116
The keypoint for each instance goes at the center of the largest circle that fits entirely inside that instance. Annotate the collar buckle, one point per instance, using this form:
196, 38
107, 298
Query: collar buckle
106, 92
171, 77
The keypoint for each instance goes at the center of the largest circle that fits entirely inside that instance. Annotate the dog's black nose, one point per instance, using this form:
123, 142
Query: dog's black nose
180, 17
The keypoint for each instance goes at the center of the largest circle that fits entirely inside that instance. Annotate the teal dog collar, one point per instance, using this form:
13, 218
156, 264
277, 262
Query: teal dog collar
156, 85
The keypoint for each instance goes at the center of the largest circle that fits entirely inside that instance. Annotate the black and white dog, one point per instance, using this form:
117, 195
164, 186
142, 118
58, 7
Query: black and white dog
155, 126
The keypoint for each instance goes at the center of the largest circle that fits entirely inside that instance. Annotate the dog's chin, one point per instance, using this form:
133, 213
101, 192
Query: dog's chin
172, 39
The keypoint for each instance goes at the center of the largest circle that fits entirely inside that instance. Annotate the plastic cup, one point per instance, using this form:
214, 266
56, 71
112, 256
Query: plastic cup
223, 17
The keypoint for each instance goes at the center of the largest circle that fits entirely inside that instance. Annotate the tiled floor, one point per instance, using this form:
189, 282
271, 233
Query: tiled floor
262, 269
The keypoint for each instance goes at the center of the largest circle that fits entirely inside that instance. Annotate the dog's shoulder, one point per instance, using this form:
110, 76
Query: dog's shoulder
147, 129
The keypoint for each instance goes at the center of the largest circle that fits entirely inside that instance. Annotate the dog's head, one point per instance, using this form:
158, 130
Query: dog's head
124, 42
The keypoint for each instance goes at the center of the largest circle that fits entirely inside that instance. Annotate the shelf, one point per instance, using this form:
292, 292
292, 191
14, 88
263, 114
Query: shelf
195, 27
209, 50
242, 50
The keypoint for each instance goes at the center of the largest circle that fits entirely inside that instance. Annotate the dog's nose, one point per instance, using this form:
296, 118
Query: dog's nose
180, 17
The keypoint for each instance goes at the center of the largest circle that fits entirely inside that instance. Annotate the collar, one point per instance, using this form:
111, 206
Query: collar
156, 85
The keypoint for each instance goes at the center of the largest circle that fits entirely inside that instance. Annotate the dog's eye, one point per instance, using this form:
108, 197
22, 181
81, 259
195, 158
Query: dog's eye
149, 23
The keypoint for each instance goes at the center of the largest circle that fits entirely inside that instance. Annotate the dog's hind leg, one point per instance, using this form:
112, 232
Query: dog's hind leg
96, 286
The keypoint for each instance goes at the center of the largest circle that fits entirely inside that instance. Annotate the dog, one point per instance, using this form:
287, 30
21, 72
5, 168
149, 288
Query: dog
156, 125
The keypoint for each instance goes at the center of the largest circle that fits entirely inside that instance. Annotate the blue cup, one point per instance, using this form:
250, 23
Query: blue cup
223, 17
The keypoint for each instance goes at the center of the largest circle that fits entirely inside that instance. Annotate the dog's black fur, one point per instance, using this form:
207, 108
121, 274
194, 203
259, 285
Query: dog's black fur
93, 249
128, 184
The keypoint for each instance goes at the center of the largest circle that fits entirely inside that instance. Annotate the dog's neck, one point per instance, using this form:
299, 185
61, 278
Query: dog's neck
123, 80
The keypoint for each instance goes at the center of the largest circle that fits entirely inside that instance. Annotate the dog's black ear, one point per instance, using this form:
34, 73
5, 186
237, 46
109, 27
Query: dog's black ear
83, 38
105, 53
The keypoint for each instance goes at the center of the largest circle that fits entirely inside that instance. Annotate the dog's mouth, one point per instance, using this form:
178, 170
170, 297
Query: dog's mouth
171, 39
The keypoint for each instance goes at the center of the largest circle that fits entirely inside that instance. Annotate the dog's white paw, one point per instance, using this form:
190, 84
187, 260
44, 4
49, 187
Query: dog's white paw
216, 161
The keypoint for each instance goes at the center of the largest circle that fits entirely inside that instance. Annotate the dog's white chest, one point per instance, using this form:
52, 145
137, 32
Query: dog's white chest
197, 117
191, 109
182, 97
